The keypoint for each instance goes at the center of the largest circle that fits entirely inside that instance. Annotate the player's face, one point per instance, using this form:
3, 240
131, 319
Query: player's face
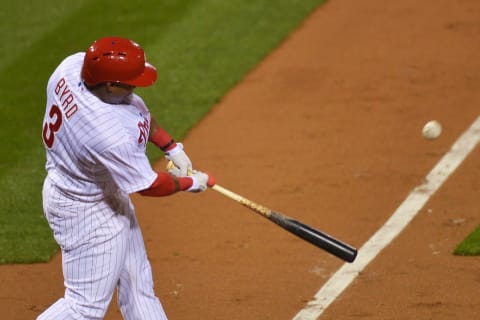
118, 92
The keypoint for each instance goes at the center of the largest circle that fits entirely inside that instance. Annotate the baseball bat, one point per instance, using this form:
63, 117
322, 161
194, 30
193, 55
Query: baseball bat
317, 238
305, 232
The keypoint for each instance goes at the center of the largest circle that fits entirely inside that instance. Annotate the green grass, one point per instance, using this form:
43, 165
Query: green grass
470, 246
201, 49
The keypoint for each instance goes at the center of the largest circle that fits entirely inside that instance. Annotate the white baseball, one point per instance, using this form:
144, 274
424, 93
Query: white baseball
432, 130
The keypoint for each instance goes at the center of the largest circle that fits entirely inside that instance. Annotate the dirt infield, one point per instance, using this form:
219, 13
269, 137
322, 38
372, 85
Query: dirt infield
327, 130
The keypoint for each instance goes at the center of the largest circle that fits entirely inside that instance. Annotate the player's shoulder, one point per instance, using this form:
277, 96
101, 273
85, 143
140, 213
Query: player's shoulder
69, 68
77, 57
72, 61
137, 102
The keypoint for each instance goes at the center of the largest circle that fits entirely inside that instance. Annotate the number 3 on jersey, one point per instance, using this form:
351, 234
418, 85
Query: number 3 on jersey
52, 125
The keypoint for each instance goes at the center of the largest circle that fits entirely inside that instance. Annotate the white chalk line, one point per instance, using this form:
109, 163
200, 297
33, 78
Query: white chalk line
394, 225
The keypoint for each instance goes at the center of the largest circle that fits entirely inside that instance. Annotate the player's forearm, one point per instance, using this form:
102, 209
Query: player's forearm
166, 184
159, 137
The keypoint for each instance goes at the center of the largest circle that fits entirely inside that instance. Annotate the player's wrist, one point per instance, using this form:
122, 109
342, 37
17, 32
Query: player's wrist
168, 146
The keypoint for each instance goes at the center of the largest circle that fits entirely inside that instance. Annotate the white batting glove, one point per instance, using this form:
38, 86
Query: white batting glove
174, 171
200, 181
180, 160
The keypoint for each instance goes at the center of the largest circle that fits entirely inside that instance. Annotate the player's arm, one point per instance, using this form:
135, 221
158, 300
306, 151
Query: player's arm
166, 184
173, 150
159, 137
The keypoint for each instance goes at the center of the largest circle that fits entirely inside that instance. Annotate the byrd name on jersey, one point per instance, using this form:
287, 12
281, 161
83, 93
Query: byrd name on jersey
54, 121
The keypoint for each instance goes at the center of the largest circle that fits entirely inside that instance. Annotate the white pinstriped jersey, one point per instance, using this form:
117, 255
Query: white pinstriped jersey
95, 151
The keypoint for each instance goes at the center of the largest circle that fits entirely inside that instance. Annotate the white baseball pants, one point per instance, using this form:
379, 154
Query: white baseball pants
95, 267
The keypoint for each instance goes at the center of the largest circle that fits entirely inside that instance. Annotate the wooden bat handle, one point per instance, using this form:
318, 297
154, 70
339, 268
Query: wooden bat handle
264, 211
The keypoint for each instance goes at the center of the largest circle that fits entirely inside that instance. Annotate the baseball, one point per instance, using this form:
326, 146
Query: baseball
432, 130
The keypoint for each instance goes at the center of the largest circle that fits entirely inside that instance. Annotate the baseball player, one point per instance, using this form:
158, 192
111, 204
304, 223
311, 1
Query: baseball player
95, 132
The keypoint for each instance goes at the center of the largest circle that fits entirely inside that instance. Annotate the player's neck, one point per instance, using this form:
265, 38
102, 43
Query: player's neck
105, 93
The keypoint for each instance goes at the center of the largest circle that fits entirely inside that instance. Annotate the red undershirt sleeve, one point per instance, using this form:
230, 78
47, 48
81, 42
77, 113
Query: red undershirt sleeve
166, 184
163, 140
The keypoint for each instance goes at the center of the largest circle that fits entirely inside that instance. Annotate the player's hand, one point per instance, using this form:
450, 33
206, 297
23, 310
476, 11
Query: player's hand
200, 181
180, 160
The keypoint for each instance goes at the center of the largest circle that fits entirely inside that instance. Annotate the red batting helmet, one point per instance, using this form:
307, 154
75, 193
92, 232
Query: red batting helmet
114, 59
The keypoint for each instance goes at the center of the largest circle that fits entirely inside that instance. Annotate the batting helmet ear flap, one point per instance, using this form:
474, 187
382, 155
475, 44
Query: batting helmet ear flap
117, 59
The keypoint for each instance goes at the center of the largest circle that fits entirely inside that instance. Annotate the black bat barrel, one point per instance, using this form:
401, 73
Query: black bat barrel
315, 237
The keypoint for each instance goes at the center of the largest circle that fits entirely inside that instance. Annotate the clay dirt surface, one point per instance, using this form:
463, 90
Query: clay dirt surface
326, 129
